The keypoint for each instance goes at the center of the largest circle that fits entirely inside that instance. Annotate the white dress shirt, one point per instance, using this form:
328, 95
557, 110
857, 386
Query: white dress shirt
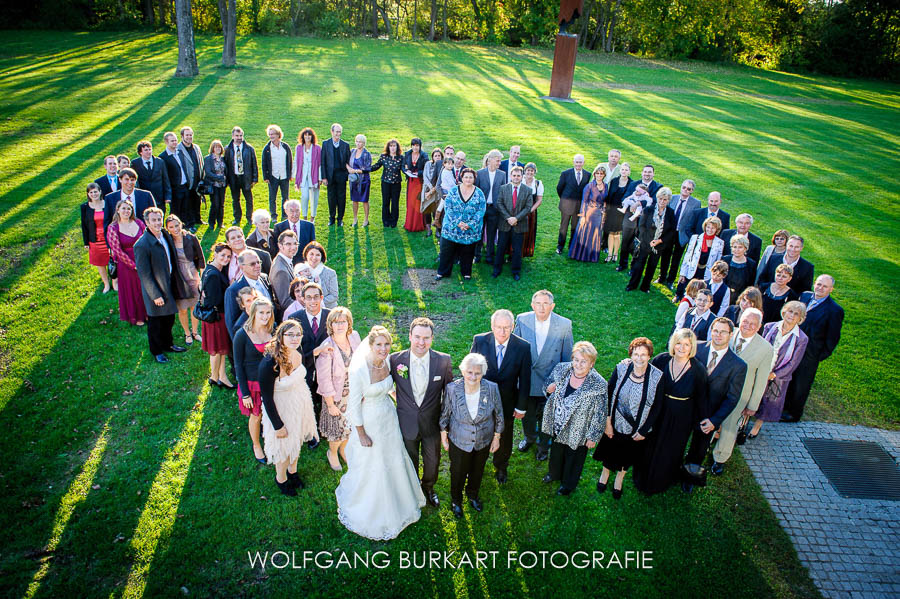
258, 285
279, 156
181, 166
541, 330
490, 195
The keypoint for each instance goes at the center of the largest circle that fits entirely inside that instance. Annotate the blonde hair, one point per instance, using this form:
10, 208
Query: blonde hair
275, 129
795, 305
254, 309
115, 217
376, 332
784, 268
714, 220
680, 335
586, 349
334, 314
664, 192
694, 287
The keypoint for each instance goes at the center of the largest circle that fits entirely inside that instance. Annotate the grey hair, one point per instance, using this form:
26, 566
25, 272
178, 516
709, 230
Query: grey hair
472, 360
502, 313
752, 312
495, 154
295, 203
542, 292
260, 214
744, 215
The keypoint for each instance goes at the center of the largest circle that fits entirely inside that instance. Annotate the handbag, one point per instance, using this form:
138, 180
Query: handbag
743, 430
206, 314
203, 188
112, 268
430, 200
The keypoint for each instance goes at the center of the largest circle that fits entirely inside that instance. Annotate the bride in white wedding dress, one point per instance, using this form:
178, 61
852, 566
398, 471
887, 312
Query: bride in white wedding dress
380, 494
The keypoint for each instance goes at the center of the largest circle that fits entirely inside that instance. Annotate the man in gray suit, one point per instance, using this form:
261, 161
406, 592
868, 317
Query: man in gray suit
282, 272
489, 180
683, 205
513, 205
550, 338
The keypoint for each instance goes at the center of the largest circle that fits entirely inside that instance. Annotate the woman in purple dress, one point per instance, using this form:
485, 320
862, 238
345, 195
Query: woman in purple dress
122, 234
789, 343
586, 244
360, 163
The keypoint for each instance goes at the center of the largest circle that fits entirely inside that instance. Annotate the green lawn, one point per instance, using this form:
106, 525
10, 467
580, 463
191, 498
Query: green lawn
120, 477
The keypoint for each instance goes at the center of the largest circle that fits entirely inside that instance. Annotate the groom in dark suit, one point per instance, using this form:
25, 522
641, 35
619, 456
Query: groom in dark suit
509, 366
421, 375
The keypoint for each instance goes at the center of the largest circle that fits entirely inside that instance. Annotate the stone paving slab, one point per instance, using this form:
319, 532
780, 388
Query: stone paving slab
850, 546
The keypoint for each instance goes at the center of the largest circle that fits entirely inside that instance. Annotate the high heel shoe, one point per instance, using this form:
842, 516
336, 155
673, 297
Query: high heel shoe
213, 383
286, 487
294, 480
601, 487
616, 493
226, 386
333, 461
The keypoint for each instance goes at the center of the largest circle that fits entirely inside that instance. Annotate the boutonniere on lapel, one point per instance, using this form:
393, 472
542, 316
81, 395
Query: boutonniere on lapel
403, 370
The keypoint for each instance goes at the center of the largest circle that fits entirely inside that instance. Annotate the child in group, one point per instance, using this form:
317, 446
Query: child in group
639, 199
687, 302
721, 294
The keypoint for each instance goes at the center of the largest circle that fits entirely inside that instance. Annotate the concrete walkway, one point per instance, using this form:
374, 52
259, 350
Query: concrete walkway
850, 546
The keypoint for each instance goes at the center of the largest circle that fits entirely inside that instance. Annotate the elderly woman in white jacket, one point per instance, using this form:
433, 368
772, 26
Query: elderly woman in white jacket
703, 250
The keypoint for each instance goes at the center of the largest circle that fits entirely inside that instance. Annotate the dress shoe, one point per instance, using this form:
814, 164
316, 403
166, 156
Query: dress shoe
687, 488
286, 487
294, 480
331, 223
213, 383
547, 479
717, 468
235, 222
313, 443
541, 455
467, 277
617, 493
501, 476
620, 268
601, 487
456, 509
431, 499
559, 250
517, 277
495, 274
645, 291
177, 349
785, 417
524, 445
476, 260
659, 282
161, 358
438, 277
476, 504
629, 288
563, 490
340, 223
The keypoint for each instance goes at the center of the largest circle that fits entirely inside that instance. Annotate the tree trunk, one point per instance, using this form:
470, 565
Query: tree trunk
445, 20
415, 18
374, 19
255, 7
295, 15
434, 10
147, 11
477, 14
228, 15
608, 43
384, 16
162, 13
584, 24
187, 56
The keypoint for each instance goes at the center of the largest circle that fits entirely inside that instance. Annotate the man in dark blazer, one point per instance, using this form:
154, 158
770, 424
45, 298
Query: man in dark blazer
241, 173
252, 275
509, 365
743, 223
152, 174
647, 174
654, 242
489, 180
725, 381
303, 229
161, 285
192, 158
682, 205
508, 163
312, 320
282, 271
109, 181
700, 318
713, 208
802, 278
175, 162
824, 319
139, 198
335, 156
570, 189
513, 205
422, 375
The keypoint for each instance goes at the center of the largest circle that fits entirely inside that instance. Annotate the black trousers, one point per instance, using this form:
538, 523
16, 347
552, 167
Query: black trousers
642, 269
159, 333
274, 185
566, 464
509, 238
431, 458
216, 206
466, 471
670, 262
627, 242
699, 447
502, 455
337, 200
489, 230
179, 205
390, 203
450, 251
193, 208
241, 184
800, 386
531, 422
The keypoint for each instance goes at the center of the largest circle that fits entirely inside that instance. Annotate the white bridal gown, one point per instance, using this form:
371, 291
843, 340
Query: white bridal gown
380, 494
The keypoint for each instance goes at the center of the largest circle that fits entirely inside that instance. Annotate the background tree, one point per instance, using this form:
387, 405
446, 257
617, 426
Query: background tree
187, 56
228, 16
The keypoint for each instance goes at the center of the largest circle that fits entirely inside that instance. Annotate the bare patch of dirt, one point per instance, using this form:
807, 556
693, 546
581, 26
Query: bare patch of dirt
11, 257
420, 279
443, 322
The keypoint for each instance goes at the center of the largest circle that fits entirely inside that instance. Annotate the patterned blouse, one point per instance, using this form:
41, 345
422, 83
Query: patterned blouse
218, 169
392, 166
457, 211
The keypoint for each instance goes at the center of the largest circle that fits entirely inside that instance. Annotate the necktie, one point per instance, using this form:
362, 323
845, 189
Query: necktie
420, 382
678, 212
695, 322
740, 346
294, 228
499, 356
240, 160
128, 199
712, 362
112, 183
315, 326
515, 196
578, 177
147, 164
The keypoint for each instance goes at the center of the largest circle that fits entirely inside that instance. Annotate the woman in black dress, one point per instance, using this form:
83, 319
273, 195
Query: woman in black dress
392, 161
618, 187
741, 269
632, 409
684, 390
777, 293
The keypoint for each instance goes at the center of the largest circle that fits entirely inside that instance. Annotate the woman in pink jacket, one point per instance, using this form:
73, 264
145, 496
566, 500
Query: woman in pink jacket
307, 172
332, 362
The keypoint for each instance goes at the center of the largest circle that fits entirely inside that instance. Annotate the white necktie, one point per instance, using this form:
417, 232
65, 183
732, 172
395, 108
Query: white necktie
420, 382
578, 177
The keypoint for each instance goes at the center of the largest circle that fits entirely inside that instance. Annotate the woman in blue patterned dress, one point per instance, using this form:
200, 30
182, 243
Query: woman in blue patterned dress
588, 239
464, 210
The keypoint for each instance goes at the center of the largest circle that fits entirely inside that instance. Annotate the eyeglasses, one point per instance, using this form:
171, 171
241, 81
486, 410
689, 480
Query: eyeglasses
293, 335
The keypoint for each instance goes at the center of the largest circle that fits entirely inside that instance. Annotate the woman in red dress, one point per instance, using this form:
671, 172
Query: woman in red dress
414, 167
121, 236
93, 228
215, 339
